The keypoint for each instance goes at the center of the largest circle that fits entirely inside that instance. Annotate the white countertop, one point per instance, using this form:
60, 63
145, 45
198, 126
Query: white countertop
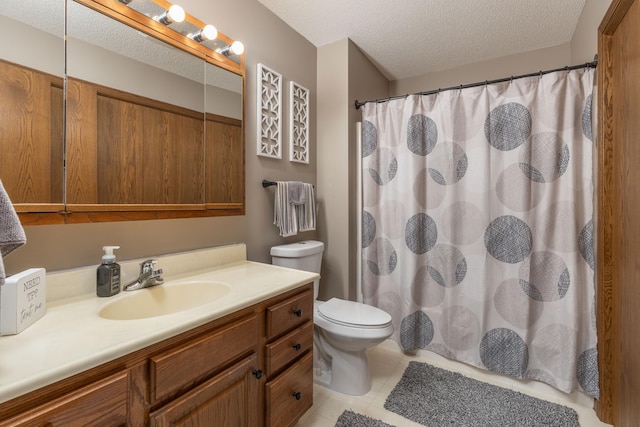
72, 337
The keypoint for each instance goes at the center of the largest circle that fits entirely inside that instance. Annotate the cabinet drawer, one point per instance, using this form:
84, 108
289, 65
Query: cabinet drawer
290, 394
228, 399
289, 314
178, 369
279, 353
103, 403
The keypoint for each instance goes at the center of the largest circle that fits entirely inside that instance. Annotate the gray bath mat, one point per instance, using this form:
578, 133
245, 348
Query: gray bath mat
351, 419
434, 397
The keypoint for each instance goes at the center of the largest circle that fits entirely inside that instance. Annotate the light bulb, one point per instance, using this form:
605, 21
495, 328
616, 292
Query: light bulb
209, 32
174, 14
237, 48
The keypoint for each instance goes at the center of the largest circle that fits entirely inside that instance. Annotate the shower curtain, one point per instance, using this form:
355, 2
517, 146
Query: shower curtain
477, 229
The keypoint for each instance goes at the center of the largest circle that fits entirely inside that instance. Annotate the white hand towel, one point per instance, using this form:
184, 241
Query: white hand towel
284, 214
12, 234
306, 213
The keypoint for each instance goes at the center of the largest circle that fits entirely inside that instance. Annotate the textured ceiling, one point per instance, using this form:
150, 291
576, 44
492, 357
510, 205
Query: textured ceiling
407, 38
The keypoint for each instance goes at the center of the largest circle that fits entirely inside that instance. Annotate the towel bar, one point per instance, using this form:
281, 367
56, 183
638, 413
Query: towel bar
266, 183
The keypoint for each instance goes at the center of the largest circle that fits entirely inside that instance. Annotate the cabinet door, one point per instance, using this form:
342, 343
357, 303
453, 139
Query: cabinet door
103, 403
229, 399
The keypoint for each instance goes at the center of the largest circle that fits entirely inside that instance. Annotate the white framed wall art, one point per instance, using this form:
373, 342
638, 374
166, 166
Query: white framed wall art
298, 123
269, 112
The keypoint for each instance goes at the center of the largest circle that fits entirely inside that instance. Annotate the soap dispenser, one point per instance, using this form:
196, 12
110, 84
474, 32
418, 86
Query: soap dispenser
108, 277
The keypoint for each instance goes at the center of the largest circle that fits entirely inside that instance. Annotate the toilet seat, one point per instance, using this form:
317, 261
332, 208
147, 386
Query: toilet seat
353, 314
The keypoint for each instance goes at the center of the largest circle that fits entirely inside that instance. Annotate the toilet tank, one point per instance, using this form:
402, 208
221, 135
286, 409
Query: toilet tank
305, 255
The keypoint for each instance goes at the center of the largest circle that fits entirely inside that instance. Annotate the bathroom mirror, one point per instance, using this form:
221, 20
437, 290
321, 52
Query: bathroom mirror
154, 119
224, 148
135, 115
32, 64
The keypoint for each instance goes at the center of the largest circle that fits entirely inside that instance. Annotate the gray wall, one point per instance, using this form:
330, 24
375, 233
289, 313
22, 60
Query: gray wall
344, 74
268, 40
333, 167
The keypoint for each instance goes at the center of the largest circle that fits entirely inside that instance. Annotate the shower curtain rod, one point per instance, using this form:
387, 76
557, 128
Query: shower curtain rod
592, 64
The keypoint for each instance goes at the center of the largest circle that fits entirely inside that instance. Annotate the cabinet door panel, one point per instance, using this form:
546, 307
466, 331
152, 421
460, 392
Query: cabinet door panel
229, 399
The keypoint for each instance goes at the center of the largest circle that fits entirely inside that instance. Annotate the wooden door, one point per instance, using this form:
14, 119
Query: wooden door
618, 272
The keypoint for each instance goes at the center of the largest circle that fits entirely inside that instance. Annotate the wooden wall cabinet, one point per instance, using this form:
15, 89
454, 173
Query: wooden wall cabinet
250, 368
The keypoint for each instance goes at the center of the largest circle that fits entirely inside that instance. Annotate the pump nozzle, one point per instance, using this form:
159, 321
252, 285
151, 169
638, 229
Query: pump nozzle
108, 253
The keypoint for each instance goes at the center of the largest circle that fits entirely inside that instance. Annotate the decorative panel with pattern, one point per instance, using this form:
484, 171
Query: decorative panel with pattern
269, 112
299, 123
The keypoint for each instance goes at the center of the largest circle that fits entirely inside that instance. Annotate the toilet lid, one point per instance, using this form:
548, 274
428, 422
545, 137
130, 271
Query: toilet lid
353, 314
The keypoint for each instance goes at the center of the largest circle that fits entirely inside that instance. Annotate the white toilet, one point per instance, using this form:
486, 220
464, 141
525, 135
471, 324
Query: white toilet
343, 331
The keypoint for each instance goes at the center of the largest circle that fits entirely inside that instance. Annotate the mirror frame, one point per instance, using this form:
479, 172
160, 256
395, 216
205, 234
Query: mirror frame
32, 214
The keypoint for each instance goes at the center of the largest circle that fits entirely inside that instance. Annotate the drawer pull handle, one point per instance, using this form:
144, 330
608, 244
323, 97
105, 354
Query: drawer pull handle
297, 347
257, 373
297, 395
297, 312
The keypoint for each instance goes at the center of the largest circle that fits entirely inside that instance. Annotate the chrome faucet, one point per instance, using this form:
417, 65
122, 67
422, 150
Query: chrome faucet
148, 276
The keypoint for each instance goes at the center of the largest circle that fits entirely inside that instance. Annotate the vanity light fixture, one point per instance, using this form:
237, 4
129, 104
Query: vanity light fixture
174, 14
209, 32
236, 48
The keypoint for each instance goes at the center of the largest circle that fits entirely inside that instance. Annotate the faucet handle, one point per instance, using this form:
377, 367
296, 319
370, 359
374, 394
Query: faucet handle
147, 265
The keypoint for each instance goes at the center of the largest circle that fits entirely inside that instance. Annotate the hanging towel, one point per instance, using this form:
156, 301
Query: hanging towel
12, 234
297, 193
306, 213
294, 207
284, 214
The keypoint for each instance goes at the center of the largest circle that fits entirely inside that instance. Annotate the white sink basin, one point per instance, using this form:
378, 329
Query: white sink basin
163, 299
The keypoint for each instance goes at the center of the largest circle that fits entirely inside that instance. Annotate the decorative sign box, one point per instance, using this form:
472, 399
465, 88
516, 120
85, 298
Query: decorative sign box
22, 300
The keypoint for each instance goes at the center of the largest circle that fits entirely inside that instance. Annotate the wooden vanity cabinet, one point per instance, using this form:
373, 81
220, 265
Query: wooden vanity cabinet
249, 368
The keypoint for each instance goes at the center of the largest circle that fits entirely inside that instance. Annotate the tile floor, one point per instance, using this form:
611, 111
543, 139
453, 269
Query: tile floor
387, 364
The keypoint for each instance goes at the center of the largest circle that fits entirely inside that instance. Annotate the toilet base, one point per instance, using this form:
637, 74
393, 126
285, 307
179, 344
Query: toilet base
348, 373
